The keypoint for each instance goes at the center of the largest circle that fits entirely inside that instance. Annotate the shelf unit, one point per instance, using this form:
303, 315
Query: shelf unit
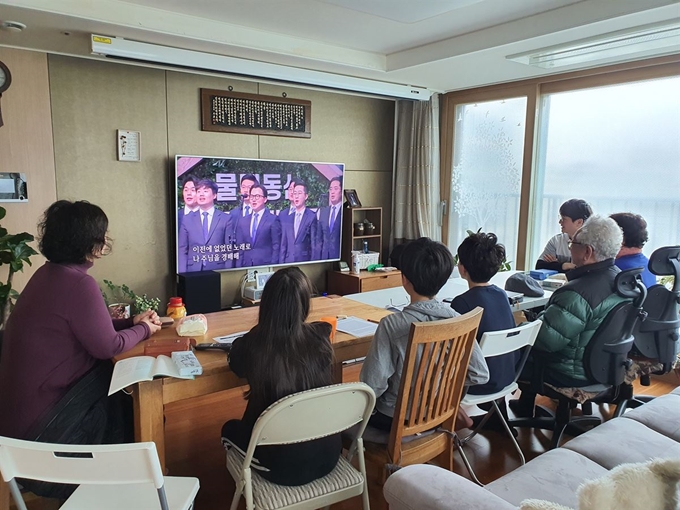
351, 242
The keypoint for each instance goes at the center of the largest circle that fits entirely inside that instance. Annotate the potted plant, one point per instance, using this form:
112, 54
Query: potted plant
14, 251
120, 298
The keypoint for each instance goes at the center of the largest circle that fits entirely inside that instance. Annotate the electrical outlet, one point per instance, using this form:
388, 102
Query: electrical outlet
251, 275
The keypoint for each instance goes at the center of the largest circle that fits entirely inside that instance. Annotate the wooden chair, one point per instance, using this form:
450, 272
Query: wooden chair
436, 363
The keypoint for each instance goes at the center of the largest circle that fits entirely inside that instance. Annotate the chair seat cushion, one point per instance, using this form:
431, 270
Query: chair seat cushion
620, 441
661, 415
553, 476
270, 496
180, 492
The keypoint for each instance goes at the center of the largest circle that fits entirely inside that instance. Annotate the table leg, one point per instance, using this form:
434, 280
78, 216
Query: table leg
149, 416
4, 495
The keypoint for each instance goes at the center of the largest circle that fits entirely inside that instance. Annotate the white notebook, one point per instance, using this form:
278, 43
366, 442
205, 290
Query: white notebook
142, 368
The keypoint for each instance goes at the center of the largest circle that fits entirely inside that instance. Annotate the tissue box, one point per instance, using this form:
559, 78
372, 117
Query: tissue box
541, 274
187, 363
366, 259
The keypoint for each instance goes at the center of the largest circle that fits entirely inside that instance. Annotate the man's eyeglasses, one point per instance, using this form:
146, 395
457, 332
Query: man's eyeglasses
256, 195
572, 243
298, 193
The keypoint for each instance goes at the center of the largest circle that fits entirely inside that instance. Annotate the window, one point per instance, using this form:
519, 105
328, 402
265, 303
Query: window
487, 171
618, 148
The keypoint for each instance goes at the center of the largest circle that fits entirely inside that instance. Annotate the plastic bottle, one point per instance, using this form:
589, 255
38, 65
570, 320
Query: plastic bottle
176, 308
365, 246
356, 264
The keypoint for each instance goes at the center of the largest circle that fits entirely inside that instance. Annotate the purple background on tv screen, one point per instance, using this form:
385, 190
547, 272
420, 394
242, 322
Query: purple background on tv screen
239, 213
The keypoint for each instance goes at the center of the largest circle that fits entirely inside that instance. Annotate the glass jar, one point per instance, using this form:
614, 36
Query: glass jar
176, 308
359, 228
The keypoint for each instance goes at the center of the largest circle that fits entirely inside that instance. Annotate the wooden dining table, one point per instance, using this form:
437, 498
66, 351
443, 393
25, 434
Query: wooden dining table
151, 397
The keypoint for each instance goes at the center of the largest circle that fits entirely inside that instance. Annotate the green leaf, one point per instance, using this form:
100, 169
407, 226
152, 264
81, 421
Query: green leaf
3, 212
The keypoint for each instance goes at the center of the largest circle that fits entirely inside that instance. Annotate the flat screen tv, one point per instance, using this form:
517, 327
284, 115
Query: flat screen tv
235, 213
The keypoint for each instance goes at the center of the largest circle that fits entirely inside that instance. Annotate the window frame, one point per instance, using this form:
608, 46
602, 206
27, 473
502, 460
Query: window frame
533, 89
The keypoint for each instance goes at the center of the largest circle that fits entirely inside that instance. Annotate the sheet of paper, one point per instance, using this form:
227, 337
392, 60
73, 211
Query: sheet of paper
228, 339
357, 327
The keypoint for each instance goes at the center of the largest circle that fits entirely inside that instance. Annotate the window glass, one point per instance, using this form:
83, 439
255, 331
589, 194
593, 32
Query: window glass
487, 171
618, 148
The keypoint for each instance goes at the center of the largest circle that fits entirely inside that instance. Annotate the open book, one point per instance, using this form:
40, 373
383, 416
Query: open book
142, 368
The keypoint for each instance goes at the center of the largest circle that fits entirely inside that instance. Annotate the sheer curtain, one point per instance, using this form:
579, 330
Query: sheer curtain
415, 211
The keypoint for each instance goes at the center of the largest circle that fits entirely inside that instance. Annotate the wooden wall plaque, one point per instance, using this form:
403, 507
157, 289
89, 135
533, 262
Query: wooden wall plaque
234, 112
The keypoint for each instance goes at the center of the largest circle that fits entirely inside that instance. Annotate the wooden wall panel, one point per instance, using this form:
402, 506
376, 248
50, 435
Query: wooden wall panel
26, 144
93, 99
90, 101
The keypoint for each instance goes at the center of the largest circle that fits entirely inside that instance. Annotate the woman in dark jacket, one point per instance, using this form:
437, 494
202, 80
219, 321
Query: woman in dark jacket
280, 356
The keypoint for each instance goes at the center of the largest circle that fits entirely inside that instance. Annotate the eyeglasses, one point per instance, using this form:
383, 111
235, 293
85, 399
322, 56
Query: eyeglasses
572, 243
256, 195
298, 193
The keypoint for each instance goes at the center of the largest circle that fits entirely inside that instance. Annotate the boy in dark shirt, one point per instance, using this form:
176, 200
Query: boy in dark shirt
479, 259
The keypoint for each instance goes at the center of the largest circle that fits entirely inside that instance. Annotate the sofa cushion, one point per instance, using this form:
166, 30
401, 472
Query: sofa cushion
661, 415
553, 476
425, 487
620, 441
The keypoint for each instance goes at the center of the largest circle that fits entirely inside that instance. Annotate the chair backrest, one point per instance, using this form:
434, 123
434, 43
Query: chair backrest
497, 343
80, 464
313, 414
656, 337
606, 356
437, 359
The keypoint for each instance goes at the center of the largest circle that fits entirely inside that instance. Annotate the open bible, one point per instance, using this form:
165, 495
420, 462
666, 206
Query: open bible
142, 368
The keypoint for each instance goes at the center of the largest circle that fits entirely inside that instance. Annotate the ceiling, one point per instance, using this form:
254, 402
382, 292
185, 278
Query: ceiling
442, 45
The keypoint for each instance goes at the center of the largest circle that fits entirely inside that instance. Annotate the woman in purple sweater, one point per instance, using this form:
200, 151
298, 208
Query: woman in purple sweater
60, 334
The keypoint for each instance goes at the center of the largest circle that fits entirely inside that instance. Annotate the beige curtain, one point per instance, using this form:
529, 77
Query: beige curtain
415, 211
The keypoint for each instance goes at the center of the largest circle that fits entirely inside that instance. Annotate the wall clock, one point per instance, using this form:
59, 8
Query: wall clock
5, 81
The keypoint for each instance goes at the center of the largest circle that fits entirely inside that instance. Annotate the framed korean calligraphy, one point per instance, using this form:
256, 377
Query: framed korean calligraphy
233, 112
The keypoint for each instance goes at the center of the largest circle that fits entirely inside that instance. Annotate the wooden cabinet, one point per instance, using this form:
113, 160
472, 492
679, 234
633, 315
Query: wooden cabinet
352, 242
348, 283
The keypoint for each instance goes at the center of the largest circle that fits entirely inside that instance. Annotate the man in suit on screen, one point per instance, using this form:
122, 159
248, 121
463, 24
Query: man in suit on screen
330, 219
288, 213
243, 209
202, 235
261, 230
190, 201
299, 237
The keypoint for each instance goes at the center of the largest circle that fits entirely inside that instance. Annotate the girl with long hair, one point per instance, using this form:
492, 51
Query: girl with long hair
282, 355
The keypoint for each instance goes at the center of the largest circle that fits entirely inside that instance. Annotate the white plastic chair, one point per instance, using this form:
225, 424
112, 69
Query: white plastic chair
111, 477
497, 343
302, 417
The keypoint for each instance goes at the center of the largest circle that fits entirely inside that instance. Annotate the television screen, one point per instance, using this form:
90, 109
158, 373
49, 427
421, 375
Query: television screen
237, 213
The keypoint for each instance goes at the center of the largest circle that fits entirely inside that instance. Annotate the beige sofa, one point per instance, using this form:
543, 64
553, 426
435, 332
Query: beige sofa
651, 431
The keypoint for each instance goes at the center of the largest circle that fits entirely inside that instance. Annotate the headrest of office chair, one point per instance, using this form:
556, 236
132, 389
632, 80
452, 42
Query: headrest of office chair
665, 261
629, 284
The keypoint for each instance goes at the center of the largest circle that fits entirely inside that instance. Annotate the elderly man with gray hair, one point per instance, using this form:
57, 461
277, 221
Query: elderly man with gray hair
575, 310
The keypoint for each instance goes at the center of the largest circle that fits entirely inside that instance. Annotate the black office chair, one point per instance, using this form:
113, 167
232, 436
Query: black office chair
656, 337
605, 361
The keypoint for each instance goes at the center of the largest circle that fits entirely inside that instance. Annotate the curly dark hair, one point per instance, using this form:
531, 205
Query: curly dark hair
634, 229
481, 256
427, 264
71, 232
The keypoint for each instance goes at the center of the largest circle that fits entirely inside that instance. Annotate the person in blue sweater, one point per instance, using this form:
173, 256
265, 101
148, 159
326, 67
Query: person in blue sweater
635, 236
479, 259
